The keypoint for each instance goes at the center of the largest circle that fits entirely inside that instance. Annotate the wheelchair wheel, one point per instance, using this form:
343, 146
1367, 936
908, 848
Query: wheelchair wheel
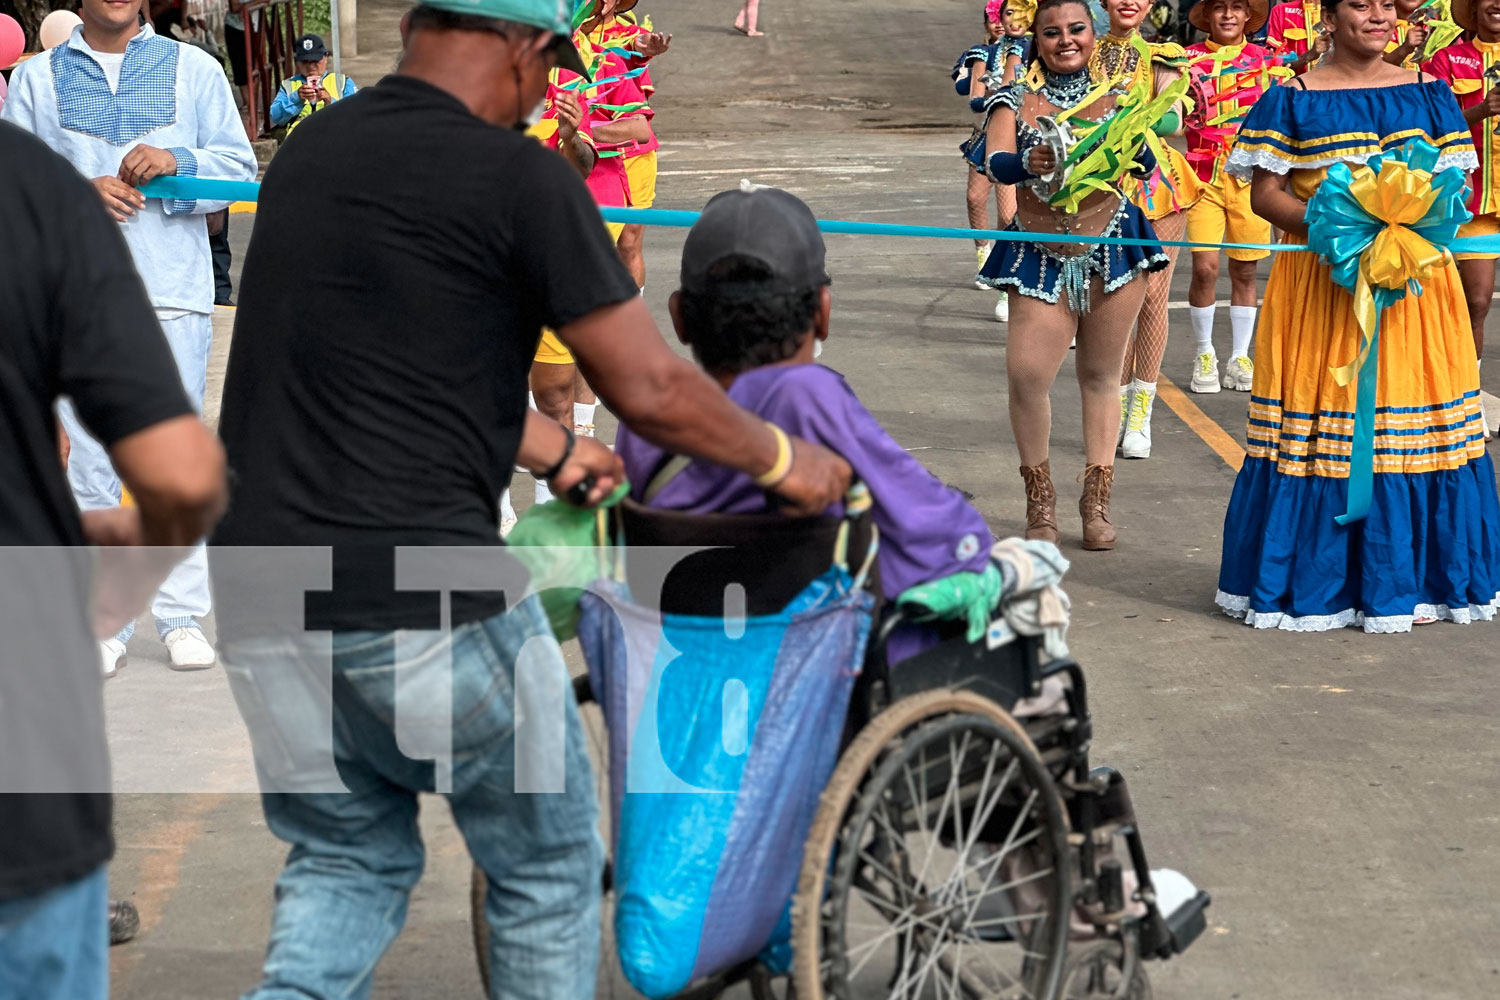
1094, 972
479, 887
937, 864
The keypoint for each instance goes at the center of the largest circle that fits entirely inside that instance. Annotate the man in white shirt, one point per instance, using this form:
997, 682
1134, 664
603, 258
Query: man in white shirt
124, 105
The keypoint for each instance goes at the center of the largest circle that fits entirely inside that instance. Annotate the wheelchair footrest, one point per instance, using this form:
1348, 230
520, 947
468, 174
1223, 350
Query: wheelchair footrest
1185, 924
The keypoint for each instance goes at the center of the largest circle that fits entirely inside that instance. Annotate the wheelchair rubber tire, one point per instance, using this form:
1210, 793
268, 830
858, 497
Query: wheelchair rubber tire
842, 796
479, 887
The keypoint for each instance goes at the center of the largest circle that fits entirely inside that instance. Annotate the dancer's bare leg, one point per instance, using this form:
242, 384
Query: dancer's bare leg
1031, 365
632, 250
748, 16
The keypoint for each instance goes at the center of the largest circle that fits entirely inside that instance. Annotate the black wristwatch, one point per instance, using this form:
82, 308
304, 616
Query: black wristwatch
551, 473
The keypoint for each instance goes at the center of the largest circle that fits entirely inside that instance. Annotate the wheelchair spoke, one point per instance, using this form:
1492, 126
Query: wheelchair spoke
950, 847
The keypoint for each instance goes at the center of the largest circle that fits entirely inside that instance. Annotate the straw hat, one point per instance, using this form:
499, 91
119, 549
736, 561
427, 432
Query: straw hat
1463, 14
1260, 10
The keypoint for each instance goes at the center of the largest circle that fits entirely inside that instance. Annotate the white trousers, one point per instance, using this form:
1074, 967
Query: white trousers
184, 595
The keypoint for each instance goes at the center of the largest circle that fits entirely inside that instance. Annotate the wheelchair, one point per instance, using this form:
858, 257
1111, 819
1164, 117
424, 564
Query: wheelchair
964, 845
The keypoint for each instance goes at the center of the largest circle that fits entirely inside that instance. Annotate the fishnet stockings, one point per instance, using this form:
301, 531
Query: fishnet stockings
1005, 201
1144, 353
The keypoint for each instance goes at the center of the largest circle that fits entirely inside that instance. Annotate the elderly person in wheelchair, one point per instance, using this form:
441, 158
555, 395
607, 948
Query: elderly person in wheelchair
851, 751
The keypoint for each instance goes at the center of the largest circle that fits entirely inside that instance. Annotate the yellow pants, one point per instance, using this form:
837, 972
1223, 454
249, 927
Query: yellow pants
1480, 225
640, 171
1224, 210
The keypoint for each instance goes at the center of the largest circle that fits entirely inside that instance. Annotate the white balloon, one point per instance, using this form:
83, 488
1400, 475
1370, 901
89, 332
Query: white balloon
56, 27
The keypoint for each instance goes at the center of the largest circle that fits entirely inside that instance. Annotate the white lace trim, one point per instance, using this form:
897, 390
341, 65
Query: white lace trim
1242, 163
1238, 606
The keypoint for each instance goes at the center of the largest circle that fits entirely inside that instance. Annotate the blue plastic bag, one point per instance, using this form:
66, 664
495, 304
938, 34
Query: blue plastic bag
719, 751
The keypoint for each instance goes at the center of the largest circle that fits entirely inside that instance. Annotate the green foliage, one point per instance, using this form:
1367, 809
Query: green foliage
316, 19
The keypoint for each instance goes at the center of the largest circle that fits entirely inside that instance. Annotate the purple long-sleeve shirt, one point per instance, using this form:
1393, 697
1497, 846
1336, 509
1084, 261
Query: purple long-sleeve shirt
927, 530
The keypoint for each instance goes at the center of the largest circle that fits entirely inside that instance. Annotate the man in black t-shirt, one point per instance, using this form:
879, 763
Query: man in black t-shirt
394, 422
77, 323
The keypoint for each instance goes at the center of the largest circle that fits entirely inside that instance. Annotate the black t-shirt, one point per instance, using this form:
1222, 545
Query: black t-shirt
405, 256
75, 321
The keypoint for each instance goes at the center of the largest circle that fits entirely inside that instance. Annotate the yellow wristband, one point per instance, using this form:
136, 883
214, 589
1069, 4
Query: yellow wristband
777, 472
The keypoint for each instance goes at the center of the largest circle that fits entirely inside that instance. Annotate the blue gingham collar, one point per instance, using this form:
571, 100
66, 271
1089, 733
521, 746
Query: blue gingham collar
75, 40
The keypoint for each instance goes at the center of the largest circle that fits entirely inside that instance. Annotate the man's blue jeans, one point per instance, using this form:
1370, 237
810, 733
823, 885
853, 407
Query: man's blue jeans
341, 900
55, 946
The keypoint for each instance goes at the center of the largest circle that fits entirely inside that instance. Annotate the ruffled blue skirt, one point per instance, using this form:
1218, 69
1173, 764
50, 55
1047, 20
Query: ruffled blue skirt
1430, 547
972, 149
1036, 271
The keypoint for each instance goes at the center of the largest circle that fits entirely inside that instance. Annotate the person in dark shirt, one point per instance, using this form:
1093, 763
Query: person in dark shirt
390, 427
77, 324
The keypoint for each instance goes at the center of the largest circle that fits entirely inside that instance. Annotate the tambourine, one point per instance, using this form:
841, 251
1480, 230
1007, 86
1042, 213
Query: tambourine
1057, 136
1203, 92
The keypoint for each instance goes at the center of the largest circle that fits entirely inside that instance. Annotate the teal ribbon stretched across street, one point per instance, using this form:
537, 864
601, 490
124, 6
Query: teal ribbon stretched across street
207, 189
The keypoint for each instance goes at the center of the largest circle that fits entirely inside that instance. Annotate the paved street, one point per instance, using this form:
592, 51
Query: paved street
1338, 794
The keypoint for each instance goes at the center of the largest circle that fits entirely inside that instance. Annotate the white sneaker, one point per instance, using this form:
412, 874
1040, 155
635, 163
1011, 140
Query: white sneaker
1205, 373
1137, 440
982, 254
1239, 374
1173, 889
1002, 309
111, 657
189, 649
507, 513
1126, 391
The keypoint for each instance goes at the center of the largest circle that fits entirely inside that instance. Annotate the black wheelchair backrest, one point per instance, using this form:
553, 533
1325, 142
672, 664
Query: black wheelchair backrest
772, 557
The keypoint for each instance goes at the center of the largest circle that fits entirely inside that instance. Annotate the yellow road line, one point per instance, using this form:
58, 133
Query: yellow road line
1212, 434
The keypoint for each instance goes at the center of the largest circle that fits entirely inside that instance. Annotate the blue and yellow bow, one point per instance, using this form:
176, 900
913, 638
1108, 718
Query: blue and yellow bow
1382, 227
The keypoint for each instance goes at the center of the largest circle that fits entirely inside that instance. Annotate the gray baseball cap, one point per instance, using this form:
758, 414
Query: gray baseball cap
766, 225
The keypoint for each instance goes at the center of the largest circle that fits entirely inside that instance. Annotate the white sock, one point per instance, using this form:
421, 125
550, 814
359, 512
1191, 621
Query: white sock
1203, 327
543, 494
531, 401
1149, 388
507, 512
583, 414
1242, 323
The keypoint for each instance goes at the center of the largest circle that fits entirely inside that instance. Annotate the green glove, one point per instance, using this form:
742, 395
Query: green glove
971, 596
1168, 123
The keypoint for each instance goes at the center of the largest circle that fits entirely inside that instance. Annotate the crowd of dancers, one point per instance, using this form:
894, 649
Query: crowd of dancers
1337, 82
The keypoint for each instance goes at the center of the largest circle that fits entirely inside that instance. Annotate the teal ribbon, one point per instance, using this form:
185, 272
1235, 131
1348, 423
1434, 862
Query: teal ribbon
1341, 230
207, 189
200, 189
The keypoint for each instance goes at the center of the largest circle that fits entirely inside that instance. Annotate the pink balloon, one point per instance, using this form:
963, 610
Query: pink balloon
12, 40
56, 27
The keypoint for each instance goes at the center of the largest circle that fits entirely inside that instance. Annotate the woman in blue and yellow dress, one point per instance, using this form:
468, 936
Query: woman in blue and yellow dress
1430, 545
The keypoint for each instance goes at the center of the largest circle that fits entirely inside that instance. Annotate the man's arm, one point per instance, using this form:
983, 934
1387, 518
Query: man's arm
573, 133
175, 473
288, 105
630, 128
668, 401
